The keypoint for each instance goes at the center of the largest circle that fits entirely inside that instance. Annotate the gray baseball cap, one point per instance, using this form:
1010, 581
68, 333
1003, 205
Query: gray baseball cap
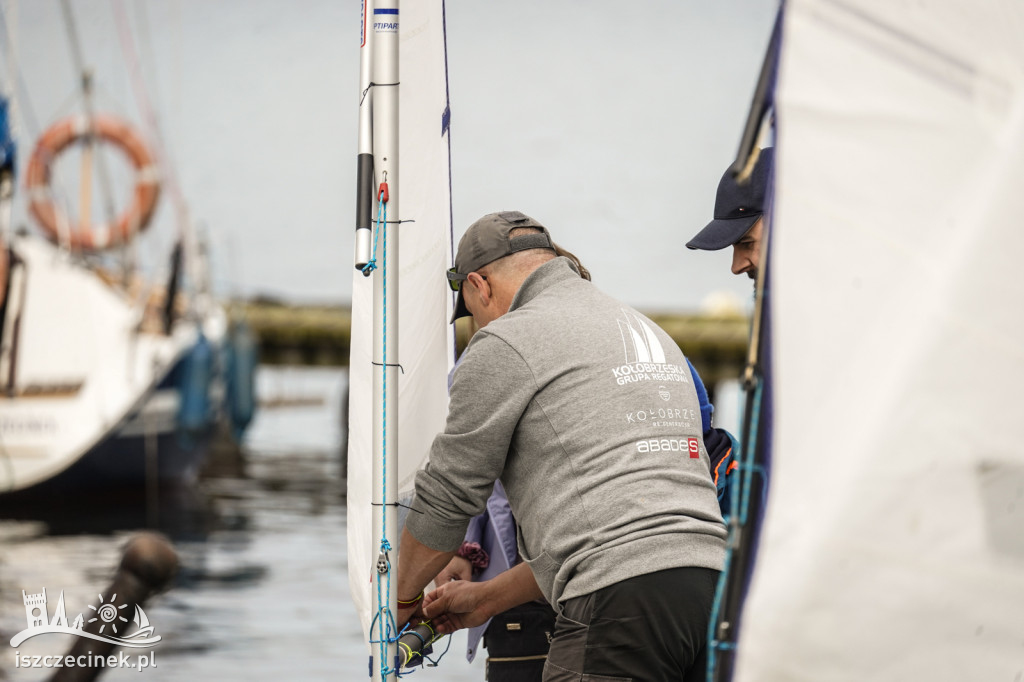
486, 241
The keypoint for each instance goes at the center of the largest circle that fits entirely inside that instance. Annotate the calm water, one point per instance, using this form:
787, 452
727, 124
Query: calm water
262, 593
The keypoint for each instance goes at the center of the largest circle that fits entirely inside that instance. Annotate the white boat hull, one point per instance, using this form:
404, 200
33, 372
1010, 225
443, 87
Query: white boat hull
83, 386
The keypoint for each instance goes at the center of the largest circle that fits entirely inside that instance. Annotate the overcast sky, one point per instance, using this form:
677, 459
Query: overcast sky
634, 111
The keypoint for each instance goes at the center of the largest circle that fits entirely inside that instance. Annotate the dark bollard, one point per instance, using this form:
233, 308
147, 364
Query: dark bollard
147, 566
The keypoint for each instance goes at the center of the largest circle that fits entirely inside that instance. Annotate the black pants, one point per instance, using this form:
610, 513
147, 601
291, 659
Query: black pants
517, 643
651, 628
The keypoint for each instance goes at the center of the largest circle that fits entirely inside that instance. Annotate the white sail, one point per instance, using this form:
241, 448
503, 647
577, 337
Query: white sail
144, 628
893, 546
140, 618
426, 343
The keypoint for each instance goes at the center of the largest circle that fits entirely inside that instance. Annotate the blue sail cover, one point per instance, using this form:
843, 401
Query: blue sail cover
7, 147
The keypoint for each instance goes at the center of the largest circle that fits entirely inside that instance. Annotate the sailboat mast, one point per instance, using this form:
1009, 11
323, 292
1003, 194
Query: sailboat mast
385, 69
381, 478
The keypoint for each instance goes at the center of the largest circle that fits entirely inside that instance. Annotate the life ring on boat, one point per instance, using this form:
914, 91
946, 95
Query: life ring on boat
54, 221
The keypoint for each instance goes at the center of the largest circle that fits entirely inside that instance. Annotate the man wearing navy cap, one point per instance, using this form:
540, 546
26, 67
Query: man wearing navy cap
739, 217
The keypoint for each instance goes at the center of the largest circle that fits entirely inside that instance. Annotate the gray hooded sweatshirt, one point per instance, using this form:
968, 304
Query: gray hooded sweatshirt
586, 411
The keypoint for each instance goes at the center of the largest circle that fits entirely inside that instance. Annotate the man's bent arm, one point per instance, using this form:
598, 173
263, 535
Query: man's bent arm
511, 588
492, 388
417, 566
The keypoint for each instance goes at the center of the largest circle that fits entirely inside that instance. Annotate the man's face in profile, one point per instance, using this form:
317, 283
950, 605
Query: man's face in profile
747, 251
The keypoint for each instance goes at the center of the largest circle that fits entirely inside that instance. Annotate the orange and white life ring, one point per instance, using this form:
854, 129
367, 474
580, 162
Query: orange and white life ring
54, 221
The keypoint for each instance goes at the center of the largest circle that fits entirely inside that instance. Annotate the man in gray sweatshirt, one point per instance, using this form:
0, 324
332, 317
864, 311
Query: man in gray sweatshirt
586, 412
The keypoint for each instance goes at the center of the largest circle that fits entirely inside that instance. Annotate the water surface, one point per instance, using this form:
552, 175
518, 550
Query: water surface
263, 589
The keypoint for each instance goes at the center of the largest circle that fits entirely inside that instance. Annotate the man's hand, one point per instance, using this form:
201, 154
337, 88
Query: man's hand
462, 604
458, 568
456, 605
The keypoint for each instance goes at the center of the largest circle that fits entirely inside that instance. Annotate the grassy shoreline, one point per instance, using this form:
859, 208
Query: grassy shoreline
320, 335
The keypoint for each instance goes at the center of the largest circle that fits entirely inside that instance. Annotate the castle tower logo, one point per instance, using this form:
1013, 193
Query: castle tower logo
112, 623
35, 608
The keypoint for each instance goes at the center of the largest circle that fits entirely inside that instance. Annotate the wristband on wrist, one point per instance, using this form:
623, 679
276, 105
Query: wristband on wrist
411, 603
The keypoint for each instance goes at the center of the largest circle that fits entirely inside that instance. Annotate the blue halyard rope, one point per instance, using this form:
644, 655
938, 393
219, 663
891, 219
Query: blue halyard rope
385, 546
386, 626
739, 505
385, 619
748, 466
372, 264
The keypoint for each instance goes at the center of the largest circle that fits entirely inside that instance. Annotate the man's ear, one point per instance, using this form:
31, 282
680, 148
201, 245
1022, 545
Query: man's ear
482, 286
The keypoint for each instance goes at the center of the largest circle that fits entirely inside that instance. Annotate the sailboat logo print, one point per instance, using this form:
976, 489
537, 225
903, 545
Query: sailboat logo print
645, 357
107, 621
638, 340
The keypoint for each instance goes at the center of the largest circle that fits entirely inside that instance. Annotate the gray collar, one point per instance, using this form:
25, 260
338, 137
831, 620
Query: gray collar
553, 272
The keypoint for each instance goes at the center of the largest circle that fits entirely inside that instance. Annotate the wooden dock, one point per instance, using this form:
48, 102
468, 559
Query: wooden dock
319, 335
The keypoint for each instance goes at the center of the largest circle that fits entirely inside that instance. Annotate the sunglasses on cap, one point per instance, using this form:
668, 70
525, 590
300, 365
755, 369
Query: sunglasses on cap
455, 280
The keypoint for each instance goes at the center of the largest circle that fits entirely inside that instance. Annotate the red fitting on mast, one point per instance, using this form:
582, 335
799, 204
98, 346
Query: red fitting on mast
382, 194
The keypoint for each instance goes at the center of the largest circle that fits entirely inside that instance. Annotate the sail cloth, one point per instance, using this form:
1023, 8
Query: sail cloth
426, 339
894, 540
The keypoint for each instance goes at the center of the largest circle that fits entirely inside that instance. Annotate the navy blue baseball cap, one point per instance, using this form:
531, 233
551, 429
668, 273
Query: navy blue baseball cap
737, 206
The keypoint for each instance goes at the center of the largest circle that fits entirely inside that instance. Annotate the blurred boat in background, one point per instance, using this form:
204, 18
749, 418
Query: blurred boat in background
109, 376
